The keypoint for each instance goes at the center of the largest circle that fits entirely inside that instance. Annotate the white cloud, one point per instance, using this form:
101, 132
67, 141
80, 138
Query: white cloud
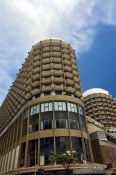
25, 22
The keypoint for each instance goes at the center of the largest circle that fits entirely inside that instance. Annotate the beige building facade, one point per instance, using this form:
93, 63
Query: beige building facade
101, 106
43, 112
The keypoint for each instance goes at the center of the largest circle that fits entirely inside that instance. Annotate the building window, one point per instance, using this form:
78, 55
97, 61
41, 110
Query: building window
61, 119
34, 123
46, 107
61, 123
72, 107
68, 94
42, 95
58, 92
74, 122
26, 114
47, 120
47, 124
87, 150
32, 153
82, 118
59, 106
46, 148
62, 145
47, 93
52, 92
34, 118
34, 109
81, 110
77, 150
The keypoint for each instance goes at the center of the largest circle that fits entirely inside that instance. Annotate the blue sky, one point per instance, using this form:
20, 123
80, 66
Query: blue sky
98, 65
89, 25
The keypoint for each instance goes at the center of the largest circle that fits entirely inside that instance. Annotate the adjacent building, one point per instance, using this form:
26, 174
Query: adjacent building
103, 144
43, 112
100, 106
104, 148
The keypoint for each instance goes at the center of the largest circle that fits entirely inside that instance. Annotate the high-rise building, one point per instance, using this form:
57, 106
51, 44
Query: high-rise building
100, 106
43, 112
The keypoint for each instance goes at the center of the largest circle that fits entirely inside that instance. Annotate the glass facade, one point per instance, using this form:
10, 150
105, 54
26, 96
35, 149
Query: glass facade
49, 116
54, 115
34, 123
47, 120
32, 153
77, 150
87, 150
63, 145
50, 145
46, 148
82, 118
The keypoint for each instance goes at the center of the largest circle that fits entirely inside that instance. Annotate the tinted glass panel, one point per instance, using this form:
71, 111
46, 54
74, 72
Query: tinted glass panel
61, 123
47, 124
62, 145
72, 107
34, 123
77, 149
32, 153
59, 106
46, 120
87, 150
60, 115
46, 107
46, 148
74, 122
34, 109
82, 118
61, 119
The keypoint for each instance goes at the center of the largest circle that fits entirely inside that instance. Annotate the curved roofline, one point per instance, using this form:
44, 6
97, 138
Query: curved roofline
94, 91
48, 39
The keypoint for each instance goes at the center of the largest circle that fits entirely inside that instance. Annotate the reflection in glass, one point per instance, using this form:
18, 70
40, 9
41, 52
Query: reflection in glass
62, 145
74, 122
46, 120
34, 122
87, 150
77, 149
59, 106
34, 109
61, 119
46, 107
32, 153
82, 118
46, 148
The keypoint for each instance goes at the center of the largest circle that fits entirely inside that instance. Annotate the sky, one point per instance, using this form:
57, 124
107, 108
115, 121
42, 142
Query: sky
88, 25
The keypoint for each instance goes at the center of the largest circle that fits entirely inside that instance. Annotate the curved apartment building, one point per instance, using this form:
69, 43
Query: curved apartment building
100, 106
43, 112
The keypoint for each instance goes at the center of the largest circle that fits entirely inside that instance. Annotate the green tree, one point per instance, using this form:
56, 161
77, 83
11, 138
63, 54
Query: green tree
65, 160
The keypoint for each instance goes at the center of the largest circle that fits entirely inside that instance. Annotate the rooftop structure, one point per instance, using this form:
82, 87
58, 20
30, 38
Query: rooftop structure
95, 91
100, 106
